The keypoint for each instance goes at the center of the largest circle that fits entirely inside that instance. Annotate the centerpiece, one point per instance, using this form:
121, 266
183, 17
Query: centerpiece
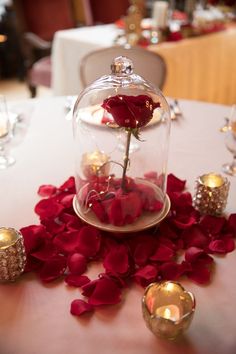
121, 126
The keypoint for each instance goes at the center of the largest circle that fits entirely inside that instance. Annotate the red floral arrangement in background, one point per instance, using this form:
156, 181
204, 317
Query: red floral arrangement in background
62, 246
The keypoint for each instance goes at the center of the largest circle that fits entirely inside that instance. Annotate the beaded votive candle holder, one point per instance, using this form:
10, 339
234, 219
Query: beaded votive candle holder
12, 254
211, 193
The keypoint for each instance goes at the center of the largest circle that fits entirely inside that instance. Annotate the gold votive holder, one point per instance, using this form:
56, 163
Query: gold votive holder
168, 309
211, 193
12, 254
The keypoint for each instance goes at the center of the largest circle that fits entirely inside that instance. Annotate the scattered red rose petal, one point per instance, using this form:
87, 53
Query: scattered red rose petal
175, 184
63, 245
53, 268
116, 261
48, 208
79, 307
77, 263
146, 275
76, 280
47, 190
105, 292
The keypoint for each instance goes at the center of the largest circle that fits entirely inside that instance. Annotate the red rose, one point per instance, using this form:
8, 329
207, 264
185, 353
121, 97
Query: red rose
130, 111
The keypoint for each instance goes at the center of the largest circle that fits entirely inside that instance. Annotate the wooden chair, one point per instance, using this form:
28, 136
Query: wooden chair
146, 63
37, 22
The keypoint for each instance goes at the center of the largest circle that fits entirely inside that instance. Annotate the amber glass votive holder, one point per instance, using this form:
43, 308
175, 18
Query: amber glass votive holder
168, 309
12, 254
211, 193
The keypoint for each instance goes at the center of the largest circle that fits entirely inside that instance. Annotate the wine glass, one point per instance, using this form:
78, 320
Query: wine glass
230, 142
5, 135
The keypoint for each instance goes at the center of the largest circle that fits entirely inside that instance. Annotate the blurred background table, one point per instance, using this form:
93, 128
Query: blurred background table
201, 68
35, 318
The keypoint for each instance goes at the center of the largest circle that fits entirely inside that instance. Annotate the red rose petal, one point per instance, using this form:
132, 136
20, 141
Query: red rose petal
98, 209
47, 190
181, 201
88, 288
222, 246
162, 253
79, 307
125, 209
48, 208
231, 223
45, 251
194, 236
53, 268
212, 224
170, 271
76, 280
184, 221
144, 248
69, 185
175, 184
146, 275
89, 240
34, 236
105, 292
77, 263
200, 273
67, 242
67, 200
53, 226
148, 198
116, 261
152, 175
193, 254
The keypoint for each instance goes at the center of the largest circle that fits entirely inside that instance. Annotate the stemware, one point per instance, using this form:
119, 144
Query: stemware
230, 142
5, 135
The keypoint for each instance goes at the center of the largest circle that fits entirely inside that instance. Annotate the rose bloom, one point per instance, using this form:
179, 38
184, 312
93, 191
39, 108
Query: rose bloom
130, 111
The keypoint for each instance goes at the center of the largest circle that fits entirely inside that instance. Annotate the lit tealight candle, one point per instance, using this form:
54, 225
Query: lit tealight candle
170, 312
12, 254
212, 180
95, 164
167, 309
211, 192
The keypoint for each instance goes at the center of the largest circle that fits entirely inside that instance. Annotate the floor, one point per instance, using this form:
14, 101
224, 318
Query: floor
13, 89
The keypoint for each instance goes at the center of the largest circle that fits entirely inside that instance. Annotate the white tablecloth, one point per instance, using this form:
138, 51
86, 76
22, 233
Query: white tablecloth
35, 318
69, 46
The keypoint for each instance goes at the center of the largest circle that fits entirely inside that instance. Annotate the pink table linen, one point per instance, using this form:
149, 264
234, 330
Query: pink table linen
35, 318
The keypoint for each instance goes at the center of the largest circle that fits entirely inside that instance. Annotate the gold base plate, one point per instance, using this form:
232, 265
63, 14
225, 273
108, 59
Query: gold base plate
145, 221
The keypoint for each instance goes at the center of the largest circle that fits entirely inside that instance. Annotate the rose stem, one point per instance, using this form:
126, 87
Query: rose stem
126, 159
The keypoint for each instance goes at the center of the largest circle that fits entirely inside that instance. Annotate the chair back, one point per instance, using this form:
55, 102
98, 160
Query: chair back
147, 64
104, 11
44, 17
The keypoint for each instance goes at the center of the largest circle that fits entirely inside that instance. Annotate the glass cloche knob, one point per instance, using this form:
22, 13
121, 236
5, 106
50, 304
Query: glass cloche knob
122, 66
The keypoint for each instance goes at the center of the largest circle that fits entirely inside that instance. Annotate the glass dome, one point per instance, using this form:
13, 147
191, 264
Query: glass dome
121, 126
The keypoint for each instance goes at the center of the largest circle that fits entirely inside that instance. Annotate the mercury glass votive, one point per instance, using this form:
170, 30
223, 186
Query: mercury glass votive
12, 254
168, 309
211, 193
